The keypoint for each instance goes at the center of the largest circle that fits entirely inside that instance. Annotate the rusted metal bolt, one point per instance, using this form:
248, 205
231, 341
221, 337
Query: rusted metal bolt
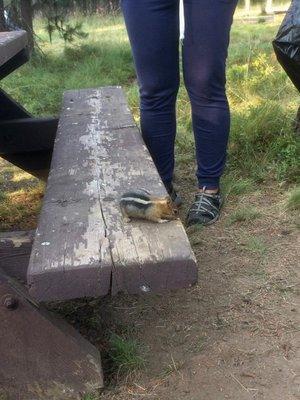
10, 302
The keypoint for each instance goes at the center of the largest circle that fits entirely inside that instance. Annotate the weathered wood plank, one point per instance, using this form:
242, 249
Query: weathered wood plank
11, 43
98, 155
71, 255
42, 357
15, 249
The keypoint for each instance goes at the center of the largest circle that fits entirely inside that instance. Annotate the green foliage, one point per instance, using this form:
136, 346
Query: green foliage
263, 105
2, 195
89, 397
86, 7
66, 31
256, 244
263, 101
233, 185
57, 20
286, 154
262, 138
101, 60
2, 192
124, 354
294, 199
245, 214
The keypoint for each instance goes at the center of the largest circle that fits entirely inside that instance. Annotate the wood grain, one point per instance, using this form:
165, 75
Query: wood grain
15, 249
42, 357
82, 246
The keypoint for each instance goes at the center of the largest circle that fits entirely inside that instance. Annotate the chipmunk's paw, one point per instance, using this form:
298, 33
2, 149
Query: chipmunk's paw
126, 220
162, 221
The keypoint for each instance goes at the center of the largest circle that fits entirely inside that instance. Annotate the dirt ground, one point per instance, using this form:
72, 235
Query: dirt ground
236, 334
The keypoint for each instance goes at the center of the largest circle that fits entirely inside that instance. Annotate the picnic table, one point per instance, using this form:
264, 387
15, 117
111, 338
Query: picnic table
26, 141
82, 247
40, 354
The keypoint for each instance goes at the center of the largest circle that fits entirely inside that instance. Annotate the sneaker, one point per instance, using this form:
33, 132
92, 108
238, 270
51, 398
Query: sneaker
177, 200
205, 210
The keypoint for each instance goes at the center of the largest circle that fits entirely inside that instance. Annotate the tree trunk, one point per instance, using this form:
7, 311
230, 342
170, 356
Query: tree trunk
2, 20
27, 20
247, 6
269, 6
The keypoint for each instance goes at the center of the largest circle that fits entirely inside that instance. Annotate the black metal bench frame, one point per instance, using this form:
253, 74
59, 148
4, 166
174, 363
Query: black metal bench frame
16, 123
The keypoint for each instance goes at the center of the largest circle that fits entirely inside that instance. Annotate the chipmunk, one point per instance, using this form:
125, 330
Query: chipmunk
142, 205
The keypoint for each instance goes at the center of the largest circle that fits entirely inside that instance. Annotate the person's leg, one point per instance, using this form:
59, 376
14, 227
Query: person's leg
153, 30
207, 30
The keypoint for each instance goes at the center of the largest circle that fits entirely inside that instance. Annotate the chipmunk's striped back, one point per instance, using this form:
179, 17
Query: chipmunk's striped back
136, 199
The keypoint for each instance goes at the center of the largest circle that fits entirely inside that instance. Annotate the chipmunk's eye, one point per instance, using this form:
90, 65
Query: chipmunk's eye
175, 211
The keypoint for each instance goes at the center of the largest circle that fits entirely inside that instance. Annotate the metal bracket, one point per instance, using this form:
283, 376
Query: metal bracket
26, 141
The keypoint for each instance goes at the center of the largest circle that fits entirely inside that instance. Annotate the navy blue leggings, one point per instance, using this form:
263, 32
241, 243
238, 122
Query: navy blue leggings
153, 29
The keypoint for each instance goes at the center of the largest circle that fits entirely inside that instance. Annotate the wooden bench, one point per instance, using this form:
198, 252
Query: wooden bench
82, 246
13, 51
41, 356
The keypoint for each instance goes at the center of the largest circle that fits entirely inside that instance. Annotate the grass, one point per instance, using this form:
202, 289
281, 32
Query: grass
233, 185
200, 344
262, 145
263, 101
121, 355
172, 367
294, 199
124, 354
257, 245
284, 286
19, 206
244, 214
90, 397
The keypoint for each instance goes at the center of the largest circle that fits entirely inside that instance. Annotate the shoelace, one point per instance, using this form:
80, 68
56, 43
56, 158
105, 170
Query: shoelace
205, 205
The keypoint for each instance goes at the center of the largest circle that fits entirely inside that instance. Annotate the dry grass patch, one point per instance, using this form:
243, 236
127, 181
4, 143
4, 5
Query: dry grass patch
19, 210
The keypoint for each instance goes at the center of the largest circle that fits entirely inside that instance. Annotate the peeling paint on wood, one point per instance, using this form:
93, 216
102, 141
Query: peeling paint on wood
98, 155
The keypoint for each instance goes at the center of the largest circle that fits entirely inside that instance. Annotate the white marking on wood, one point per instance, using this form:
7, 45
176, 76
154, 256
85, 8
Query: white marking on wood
93, 164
